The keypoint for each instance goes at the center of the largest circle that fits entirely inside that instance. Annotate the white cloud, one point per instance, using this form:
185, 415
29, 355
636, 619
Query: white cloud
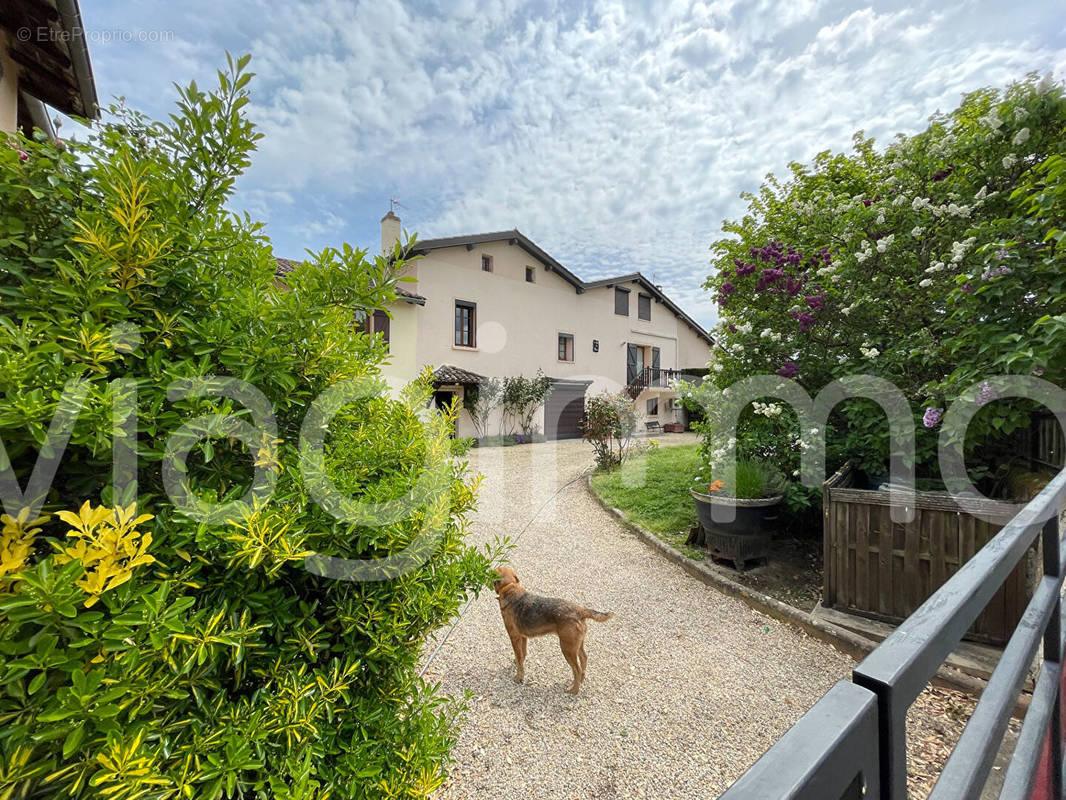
617, 136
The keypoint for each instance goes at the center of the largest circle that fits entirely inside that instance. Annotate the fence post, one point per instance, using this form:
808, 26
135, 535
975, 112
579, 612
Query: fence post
1053, 649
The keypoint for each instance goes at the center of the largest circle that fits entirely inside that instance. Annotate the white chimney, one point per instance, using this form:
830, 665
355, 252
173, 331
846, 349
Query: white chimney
391, 231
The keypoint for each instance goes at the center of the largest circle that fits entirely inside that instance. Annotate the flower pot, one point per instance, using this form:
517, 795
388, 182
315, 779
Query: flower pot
747, 537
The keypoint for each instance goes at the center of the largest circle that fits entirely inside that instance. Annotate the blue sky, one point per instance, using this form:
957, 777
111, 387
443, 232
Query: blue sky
617, 136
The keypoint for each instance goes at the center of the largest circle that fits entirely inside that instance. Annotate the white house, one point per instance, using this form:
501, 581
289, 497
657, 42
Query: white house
496, 305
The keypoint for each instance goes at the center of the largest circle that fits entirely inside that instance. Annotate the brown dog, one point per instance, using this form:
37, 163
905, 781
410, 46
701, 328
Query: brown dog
526, 615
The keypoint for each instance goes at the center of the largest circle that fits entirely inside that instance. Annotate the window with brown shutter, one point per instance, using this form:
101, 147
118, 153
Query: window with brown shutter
621, 301
644, 306
382, 325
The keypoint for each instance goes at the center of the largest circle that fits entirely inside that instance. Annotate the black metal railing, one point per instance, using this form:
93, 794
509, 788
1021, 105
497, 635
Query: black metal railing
852, 743
650, 378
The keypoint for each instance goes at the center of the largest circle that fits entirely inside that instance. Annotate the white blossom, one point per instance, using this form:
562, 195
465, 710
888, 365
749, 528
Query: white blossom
917, 231
1020, 113
1009, 160
1045, 84
981, 193
926, 282
937, 267
1020, 138
992, 120
886, 242
919, 203
868, 351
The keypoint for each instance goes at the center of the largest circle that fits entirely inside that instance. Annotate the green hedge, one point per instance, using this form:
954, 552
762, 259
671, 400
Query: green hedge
148, 653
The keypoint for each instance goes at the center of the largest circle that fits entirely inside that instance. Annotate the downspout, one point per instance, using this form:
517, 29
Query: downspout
39, 114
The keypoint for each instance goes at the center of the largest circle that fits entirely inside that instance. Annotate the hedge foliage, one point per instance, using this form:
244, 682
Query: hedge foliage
148, 653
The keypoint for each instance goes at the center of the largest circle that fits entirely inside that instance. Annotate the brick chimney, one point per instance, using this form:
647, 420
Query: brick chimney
391, 231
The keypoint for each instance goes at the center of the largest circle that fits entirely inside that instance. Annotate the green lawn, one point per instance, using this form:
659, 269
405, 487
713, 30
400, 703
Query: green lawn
652, 491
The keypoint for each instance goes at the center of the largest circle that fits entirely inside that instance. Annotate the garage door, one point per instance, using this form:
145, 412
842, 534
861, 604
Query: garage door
564, 412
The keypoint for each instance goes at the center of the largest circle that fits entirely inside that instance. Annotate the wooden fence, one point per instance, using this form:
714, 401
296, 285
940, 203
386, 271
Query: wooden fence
886, 570
1047, 445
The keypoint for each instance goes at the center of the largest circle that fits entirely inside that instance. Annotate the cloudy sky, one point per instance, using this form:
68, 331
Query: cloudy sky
617, 136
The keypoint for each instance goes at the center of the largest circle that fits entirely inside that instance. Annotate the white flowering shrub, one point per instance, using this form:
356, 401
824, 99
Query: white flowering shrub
932, 262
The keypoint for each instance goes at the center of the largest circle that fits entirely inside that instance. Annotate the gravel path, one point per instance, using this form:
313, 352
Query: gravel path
685, 687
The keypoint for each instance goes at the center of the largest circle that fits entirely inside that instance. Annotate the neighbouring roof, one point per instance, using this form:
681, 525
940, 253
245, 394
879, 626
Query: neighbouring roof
447, 374
54, 59
516, 237
287, 265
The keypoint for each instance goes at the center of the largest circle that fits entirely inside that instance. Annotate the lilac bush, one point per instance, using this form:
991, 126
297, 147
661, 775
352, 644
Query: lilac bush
934, 261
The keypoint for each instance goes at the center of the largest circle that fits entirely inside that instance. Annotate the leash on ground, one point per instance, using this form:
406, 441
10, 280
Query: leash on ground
466, 605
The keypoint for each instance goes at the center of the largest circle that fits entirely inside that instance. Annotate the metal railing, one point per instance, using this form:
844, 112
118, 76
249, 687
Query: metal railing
651, 378
852, 743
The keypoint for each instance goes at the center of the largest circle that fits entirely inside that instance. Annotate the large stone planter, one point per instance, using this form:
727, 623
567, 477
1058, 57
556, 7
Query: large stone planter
746, 538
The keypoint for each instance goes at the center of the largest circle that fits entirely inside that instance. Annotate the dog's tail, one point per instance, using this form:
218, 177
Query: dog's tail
599, 616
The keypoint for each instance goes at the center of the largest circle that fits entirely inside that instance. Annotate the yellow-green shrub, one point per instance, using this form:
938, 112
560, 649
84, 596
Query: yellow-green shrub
146, 654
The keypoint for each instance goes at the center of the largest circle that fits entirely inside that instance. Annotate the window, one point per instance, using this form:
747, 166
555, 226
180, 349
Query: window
653, 406
644, 306
465, 323
621, 301
566, 347
486, 263
378, 322
531, 275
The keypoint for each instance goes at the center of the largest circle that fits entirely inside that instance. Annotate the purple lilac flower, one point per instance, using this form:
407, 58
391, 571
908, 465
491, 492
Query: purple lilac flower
788, 370
728, 288
967, 287
806, 320
816, 301
732, 328
745, 269
986, 394
995, 272
932, 417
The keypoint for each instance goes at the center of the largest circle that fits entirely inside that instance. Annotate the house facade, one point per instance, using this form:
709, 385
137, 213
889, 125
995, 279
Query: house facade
496, 305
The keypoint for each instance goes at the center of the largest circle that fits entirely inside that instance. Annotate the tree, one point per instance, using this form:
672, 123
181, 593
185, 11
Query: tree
480, 400
610, 422
932, 263
151, 652
521, 397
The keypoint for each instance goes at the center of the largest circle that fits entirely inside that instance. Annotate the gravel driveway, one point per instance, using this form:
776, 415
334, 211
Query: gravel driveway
685, 687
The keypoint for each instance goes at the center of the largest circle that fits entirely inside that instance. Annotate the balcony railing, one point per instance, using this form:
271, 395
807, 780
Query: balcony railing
651, 378
852, 743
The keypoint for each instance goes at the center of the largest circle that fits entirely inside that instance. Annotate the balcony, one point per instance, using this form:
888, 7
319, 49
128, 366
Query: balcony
651, 378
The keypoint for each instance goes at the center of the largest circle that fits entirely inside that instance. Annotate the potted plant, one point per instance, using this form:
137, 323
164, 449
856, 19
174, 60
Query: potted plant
755, 494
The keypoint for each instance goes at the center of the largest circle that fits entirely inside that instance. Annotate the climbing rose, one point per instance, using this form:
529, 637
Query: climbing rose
932, 417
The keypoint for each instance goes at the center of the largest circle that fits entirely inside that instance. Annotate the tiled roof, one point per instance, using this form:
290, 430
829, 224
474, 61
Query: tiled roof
286, 265
516, 237
446, 374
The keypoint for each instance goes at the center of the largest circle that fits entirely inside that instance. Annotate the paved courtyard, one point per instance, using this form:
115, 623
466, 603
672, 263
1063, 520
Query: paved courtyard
685, 687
